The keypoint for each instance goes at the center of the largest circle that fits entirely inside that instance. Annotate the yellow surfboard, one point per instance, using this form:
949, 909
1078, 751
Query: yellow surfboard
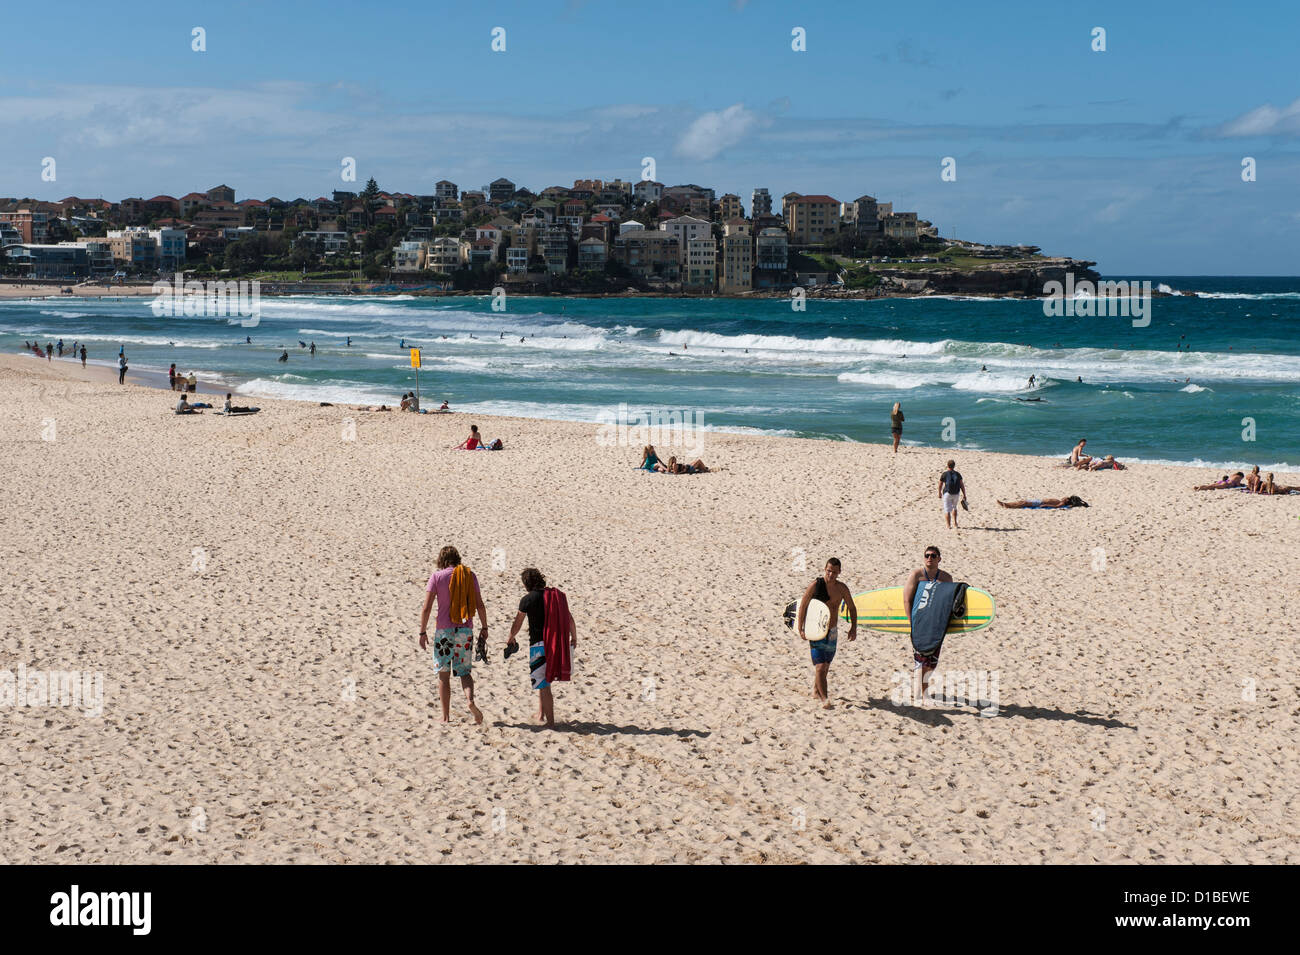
882, 610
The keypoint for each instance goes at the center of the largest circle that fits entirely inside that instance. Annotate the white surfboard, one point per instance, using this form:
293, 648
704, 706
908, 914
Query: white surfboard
816, 619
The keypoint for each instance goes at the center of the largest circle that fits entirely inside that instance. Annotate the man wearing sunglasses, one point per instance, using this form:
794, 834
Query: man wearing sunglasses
925, 662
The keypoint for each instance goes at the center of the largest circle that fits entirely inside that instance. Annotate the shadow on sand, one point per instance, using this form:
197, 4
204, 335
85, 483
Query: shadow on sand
937, 715
604, 729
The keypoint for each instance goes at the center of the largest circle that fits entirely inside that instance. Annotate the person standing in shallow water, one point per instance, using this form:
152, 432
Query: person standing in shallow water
896, 424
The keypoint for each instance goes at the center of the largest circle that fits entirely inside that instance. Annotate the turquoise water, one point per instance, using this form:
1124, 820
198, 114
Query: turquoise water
1177, 390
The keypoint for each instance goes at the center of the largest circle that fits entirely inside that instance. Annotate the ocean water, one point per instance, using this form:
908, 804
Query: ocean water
1208, 373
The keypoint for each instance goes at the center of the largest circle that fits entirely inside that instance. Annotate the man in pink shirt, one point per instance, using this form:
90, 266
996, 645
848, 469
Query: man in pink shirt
452, 639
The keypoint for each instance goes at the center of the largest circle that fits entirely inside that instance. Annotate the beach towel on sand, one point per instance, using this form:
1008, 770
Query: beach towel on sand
932, 608
555, 634
460, 589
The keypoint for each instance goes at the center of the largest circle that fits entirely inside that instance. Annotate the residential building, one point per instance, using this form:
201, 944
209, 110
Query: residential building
647, 191
785, 205
771, 258
444, 189
517, 260
134, 249
327, 241
40, 260
171, 248
760, 203
592, 254
866, 217
737, 266
221, 194
501, 190
555, 247
812, 219
446, 254
574, 224
729, 208
482, 252
701, 270
219, 215
31, 224
685, 228
901, 226
649, 253
409, 256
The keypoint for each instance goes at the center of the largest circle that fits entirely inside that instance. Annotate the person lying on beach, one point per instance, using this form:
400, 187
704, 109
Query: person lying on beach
695, 467
650, 460
472, 442
183, 407
1269, 486
228, 408
1225, 484
1108, 463
1048, 502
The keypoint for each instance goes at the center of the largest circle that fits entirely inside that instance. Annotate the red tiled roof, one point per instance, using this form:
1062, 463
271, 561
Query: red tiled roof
195, 195
162, 199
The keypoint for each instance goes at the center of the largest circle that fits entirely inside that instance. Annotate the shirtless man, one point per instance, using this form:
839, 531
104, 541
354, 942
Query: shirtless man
1077, 453
923, 664
828, 589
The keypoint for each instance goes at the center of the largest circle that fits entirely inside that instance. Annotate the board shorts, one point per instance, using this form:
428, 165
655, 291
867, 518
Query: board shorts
823, 650
927, 660
950, 502
537, 665
452, 650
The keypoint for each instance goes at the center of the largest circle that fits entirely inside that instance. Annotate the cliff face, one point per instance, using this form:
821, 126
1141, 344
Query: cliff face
996, 278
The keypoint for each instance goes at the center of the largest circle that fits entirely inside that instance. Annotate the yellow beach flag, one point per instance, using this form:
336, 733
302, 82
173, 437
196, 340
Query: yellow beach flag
415, 358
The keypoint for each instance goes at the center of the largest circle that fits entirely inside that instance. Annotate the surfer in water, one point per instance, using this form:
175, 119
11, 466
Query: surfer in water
829, 590
923, 662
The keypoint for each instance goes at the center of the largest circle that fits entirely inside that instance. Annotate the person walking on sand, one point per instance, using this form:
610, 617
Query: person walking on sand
552, 636
83, 356
924, 662
456, 590
829, 590
951, 486
49, 351
121, 369
896, 423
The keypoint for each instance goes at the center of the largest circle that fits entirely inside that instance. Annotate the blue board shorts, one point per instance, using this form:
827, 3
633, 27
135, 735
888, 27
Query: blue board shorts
451, 650
823, 650
537, 666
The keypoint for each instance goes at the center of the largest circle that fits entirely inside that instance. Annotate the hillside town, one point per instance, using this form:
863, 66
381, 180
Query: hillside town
594, 235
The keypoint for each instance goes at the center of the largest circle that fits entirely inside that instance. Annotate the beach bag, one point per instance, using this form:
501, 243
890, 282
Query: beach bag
496, 445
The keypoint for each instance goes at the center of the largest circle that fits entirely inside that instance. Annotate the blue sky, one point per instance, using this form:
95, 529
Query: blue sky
1131, 157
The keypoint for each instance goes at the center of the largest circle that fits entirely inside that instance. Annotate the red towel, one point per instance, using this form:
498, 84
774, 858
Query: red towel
555, 634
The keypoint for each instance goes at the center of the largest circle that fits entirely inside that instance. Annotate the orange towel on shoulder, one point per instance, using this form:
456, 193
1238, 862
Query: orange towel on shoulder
461, 590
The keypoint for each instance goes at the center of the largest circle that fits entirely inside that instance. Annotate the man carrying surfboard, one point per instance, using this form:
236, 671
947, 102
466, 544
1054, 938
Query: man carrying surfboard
828, 589
929, 571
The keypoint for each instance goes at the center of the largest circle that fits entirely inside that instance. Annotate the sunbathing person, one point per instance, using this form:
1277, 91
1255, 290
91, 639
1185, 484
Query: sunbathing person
1108, 463
1253, 481
650, 460
1076, 454
472, 442
228, 408
183, 407
1048, 502
696, 467
1269, 486
1225, 484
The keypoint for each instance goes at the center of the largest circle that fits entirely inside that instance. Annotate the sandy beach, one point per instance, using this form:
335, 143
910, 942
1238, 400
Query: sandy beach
250, 590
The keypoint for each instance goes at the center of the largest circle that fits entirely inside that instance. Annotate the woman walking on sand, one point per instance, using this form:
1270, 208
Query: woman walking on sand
896, 423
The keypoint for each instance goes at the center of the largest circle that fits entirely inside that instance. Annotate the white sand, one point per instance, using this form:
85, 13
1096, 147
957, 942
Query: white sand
689, 729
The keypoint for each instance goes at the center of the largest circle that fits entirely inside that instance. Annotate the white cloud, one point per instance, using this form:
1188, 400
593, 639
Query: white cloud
713, 132
1266, 120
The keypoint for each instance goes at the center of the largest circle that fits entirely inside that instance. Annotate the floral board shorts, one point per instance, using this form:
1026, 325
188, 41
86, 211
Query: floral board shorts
452, 650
